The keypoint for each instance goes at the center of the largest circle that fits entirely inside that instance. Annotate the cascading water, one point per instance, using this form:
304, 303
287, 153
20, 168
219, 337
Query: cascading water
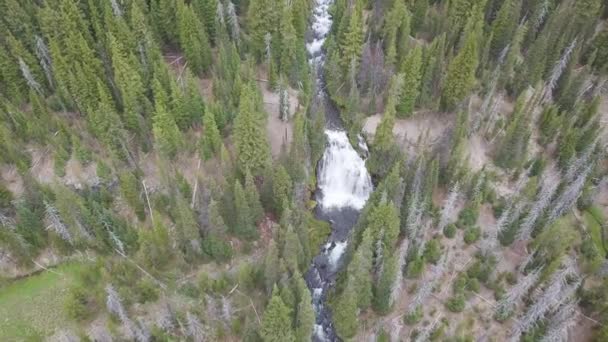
344, 185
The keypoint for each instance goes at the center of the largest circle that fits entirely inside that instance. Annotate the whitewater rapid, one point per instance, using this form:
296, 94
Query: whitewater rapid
344, 185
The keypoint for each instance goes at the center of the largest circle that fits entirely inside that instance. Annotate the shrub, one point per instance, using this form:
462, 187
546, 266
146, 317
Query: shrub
78, 305
413, 317
415, 267
449, 231
456, 303
471, 235
432, 251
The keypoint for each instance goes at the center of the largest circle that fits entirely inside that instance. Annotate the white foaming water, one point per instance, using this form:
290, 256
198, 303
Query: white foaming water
319, 333
343, 178
336, 253
321, 24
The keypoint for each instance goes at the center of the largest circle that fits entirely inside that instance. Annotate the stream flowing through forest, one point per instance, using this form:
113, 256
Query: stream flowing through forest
343, 184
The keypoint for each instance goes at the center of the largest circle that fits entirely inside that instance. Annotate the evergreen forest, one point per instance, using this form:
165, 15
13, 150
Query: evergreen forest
304, 170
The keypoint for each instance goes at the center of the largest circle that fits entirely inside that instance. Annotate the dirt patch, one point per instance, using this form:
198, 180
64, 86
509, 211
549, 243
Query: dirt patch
42, 165
77, 175
429, 125
279, 132
478, 152
12, 180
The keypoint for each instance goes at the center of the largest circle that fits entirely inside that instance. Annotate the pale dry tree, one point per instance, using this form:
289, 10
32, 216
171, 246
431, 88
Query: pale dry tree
42, 52
219, 14
540, 204
233, 23
448, 206
29, 78
568, 197
506, 305
226, 309
114, 303
99, 333
562, 286
284, 112
164, 318
116, 8
64, 335
425, 333
415, 208
558, 68
561, 322
398, 282
194, 328
55, 224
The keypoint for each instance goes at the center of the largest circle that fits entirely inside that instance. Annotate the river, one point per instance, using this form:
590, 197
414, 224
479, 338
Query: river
343, 185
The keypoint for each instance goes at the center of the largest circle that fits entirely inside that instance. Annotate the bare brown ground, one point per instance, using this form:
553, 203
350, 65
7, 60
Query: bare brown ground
279, 132
11, 179
408, 131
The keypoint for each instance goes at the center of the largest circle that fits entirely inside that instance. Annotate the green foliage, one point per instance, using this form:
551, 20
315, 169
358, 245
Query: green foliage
449, 231
253, 152
276, 321
131, 192
456, 303
244, 224
461, 70
193, 39
414, 317
432, 251
345, 311
411, 69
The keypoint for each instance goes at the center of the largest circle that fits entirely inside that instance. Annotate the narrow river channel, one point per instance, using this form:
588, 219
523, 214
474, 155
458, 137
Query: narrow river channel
343, 185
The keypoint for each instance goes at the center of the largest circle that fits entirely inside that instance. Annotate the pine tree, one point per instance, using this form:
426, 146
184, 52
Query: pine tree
411, 69
396, 29
206, 10
193, 39
282, 189
253, 198
129, 83
461, 71
514, 146
345, 311
351, 40
419, 10
504, 26
271, 266
253, 152
305, 314
261, 16
245, 226
359, 270
276, 321
166, 133
288, 65
382, 293
129, 187
211, 140
292, 251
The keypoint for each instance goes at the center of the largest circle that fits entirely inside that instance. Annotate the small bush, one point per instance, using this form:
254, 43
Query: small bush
413, 317
449, 231
432, 251
78, 305
415, 267
472, 235
456, 304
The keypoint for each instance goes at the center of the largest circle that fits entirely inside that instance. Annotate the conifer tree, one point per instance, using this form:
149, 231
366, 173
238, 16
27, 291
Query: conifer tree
504, 26
282, 188
351, 40
411, 70
359, 271
193, 39
253, 198
252, 148
345, 312
271, 266
276, 321
514, 146
245, 226
261, 16
305, 315
418, 14
166, 133
461, 71
207, 10
211, 140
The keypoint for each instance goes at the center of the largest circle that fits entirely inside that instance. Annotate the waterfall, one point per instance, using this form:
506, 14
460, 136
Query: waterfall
343, 178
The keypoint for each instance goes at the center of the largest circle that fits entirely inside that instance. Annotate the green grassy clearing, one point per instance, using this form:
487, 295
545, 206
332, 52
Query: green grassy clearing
32, 308
595, 230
